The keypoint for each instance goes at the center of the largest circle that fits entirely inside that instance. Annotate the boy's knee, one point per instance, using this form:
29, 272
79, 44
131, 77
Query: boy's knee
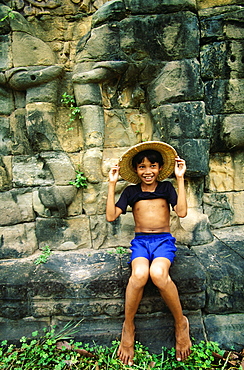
159, 276
140, 276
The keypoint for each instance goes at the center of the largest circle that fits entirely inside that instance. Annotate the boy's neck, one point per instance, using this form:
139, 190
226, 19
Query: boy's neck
149, 187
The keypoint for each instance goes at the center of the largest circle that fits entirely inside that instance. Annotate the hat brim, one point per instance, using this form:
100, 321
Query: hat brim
127, 171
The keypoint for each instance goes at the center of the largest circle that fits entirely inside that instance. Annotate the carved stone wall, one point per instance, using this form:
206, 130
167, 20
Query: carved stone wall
138, 70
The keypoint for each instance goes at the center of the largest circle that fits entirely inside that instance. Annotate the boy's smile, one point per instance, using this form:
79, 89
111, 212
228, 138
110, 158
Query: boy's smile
148, 172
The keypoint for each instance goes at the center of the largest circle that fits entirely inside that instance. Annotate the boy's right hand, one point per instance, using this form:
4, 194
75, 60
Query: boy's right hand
114, 173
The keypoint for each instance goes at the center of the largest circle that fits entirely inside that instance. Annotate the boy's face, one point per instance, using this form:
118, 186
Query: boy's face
147, 171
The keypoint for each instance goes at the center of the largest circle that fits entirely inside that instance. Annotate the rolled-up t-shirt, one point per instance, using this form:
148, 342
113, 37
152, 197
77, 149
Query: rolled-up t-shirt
133, 193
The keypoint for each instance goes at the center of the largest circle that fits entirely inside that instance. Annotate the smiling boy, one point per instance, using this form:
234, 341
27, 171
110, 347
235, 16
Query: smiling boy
153, 247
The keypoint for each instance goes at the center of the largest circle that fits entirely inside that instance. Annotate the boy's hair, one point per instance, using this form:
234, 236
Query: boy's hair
152, 155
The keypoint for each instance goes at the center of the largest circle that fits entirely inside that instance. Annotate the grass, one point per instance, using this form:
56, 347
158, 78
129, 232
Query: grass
50, 350
43, 258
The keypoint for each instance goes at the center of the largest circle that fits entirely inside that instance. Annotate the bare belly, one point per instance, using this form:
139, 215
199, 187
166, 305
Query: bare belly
151, 216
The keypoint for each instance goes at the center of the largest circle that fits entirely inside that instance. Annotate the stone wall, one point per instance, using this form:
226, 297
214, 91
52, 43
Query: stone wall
138, 70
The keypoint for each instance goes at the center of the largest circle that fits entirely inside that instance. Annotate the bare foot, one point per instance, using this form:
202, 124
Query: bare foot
126, 348
183, 342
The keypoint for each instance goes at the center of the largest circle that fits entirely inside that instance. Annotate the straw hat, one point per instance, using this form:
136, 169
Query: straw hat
127, 171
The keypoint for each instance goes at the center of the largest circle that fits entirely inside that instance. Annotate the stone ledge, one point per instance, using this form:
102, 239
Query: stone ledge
90, 285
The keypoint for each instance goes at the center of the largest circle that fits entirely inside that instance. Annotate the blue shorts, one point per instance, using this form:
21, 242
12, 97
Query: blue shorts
151, 246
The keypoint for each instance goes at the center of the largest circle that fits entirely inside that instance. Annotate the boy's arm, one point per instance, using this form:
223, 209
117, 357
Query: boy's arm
180, 169
112, 212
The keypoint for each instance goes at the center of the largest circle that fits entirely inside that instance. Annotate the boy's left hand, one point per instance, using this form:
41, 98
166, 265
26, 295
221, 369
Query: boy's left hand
180, 167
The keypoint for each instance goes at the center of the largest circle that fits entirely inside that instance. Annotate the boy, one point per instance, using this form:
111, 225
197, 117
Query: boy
153, 248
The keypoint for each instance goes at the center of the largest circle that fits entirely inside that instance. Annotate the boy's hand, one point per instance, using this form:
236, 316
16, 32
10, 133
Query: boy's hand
114, 174
180, 167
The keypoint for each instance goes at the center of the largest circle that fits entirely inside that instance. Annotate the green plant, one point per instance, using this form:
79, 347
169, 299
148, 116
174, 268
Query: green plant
46, 252
40, 351
119, 250
69, 101
80, 180
200, 358
47, 352
10, 14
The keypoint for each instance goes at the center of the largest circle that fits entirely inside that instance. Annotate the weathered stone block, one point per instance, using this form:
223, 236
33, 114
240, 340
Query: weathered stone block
186, 120
5, 138
215, 123
120, 232
107, 235
236, 199
5, 182
43, 92
60, 166
194, 191
5, 52
91, 199
224, 269
69, 134
178, 81
234, 30
161, 327
6, 100
126, 127
30, 171
74, 307
223, 209
16, 207
55, 200
110, 158
218, 208
164, 37
93, 125
214, 61
40, 123
222, 60
112, 11
117, 132
214, 24
75, 208
233, 131
86, 94
158, 6
232, 237
15, 329
86, 275
63, 234
18, 241
51, 31
20, 141
92, 161
148, 328
30, 51
224, 96
226, 172
140, 124
226, 330
101, 44
18, 23
190, 149
194, 229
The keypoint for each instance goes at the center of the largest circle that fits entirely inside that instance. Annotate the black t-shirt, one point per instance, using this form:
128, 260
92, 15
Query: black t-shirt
133, 194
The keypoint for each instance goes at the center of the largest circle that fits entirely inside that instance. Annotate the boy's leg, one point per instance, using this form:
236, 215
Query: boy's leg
133, 296
159, 272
